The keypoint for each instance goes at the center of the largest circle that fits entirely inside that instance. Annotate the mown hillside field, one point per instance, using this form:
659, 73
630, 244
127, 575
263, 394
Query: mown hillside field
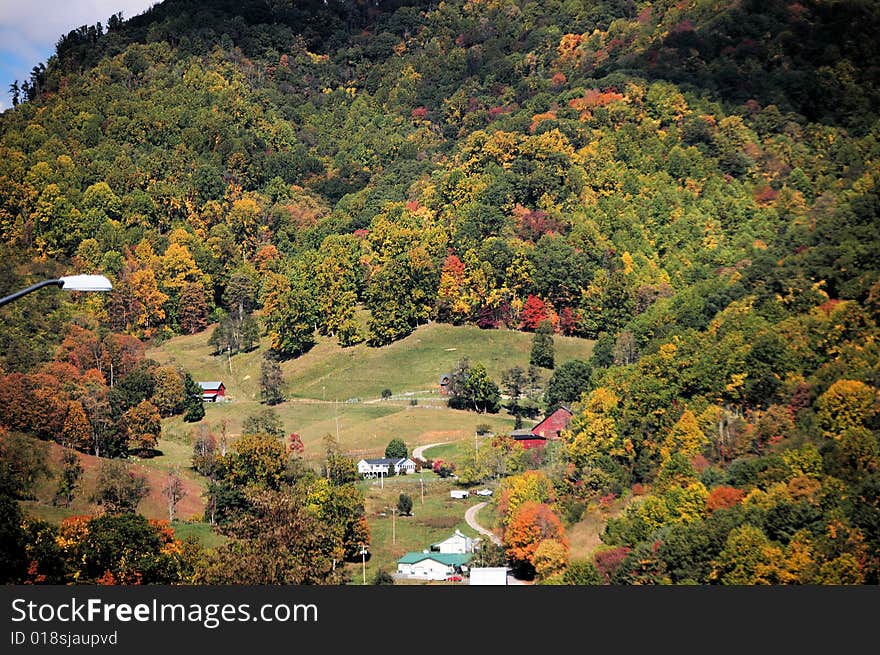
328, 205
331, 390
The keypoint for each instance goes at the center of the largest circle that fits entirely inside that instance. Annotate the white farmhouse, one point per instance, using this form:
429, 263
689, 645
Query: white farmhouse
373, 468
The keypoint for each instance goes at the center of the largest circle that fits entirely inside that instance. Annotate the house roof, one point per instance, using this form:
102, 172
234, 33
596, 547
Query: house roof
379, 460
211, 385
386, 461
449, 559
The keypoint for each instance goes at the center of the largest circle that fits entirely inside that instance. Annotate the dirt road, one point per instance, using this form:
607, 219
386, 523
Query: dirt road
418, 450
470, 518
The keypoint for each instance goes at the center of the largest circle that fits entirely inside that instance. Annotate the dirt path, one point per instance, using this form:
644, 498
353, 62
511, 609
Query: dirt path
470, 518
418, 450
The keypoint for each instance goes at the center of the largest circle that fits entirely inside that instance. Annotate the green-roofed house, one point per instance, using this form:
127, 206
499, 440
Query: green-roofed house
432, 566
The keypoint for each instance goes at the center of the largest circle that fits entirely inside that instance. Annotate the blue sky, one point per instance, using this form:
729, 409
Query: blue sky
29, 31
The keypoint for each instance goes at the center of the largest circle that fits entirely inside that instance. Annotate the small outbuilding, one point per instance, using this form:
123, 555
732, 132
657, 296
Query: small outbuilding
213, 391
459, 543
459, 493
488, 575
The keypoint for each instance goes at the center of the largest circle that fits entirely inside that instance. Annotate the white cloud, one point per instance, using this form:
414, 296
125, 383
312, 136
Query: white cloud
30, 30
45, 21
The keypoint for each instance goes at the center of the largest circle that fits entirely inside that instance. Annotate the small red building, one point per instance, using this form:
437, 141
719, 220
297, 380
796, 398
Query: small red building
547, 430
213, 391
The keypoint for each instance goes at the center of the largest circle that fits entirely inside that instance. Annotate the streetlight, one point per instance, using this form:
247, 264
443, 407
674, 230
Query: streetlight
69, 283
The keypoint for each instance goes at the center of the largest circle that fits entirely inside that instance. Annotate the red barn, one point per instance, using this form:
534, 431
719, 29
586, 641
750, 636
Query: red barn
213, 391
547, 430
552, 425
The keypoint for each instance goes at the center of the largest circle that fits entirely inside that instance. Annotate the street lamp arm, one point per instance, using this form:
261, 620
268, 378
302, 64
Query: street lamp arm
33, 287
70, 283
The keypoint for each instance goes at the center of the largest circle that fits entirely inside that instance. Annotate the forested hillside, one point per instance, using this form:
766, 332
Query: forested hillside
692, 184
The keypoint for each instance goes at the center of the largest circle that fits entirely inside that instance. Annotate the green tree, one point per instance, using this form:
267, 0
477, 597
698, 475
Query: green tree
404, 504
514, 382
480, 391
382, 577
119, 488
396, 449
267, 421
193, 405
291, 321
542, 353
257, 458
70, 477
570, 380
126, 548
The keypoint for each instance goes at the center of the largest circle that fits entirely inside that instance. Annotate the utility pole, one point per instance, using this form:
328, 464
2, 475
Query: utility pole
422, 485
393, 525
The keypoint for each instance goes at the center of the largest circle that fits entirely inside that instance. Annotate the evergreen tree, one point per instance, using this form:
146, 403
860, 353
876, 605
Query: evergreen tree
404, 504
193, 406
542, 346
71, 475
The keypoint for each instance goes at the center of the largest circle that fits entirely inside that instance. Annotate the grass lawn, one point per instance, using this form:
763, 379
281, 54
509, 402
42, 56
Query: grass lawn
392, 536
364, 430
155, 470
319, 384
201, 531
327, 372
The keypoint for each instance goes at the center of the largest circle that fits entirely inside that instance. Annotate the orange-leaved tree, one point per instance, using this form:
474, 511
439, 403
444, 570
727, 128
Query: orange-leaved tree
532, 524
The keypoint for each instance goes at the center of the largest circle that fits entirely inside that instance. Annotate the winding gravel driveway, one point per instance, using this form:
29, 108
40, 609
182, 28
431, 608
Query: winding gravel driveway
470, 518
418, 450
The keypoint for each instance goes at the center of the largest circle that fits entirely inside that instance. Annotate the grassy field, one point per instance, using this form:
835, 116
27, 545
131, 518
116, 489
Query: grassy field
327, 372
391, 536
153, 506
337, 391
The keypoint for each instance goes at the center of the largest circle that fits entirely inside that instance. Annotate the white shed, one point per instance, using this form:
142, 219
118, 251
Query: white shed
458, 543
489, 575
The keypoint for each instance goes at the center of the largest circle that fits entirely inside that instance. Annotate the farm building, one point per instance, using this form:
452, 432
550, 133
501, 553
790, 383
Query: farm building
372, 468
488, 575
548, 429
459, 493
213, 391
458, 543
432, 566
